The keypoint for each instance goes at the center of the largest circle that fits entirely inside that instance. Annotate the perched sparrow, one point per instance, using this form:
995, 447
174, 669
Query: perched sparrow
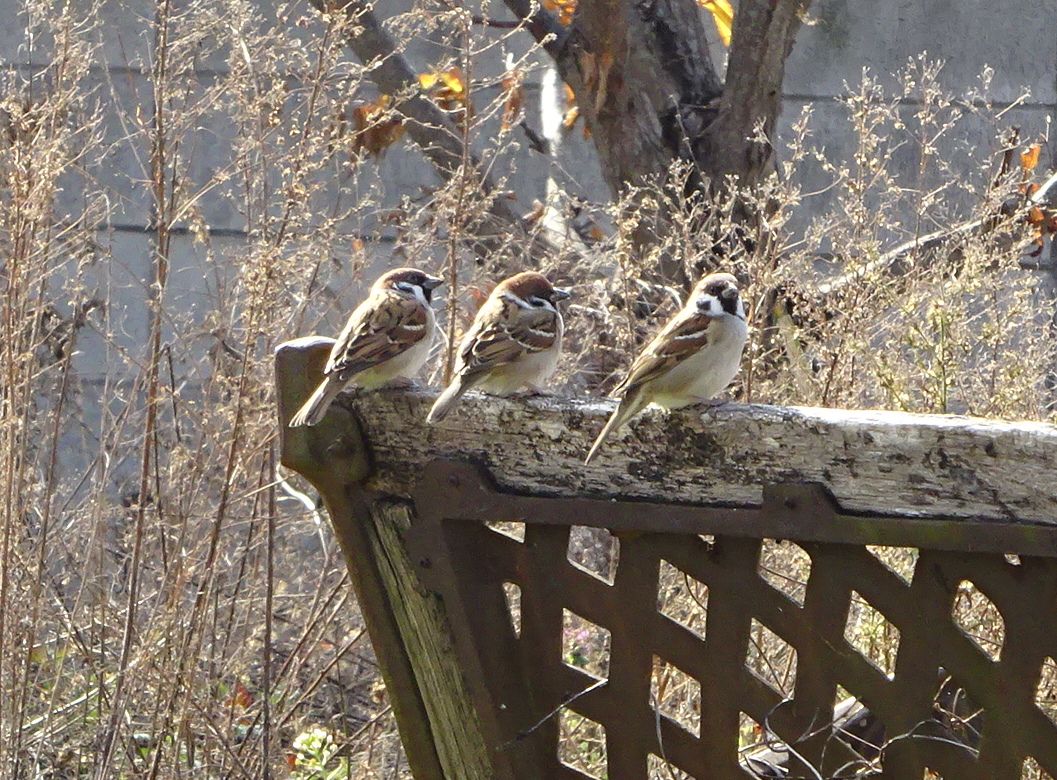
691, 360
514, 341
387, 337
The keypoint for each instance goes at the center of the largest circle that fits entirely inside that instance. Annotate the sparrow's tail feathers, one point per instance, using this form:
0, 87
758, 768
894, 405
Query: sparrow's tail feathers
628, 407
317, 404
452, 393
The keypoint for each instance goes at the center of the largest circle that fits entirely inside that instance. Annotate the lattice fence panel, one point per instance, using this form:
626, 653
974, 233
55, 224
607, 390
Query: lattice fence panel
571, 675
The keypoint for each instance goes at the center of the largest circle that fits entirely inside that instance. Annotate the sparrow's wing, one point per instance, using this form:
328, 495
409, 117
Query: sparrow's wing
379, 329
684, 335
504, 332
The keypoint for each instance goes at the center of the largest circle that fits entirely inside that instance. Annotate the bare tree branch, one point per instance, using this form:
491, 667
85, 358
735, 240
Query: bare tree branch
544, 27
432, 130
892, 263
763, 35
1045, 196
895, 256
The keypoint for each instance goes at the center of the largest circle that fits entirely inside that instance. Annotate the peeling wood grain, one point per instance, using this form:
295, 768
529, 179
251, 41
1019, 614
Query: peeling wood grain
887, 462
420, 615
441, 733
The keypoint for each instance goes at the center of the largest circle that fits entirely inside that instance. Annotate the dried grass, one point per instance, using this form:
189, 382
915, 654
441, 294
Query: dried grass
170, 603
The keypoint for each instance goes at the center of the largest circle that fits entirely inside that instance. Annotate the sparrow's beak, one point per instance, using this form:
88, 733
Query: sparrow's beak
561, 294
432, 282
729, 293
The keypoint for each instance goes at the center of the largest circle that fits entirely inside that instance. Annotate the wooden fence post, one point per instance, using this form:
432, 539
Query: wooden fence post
407, 625
482, 688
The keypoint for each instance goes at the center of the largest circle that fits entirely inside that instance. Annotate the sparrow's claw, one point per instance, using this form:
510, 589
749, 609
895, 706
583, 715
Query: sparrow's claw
528, 391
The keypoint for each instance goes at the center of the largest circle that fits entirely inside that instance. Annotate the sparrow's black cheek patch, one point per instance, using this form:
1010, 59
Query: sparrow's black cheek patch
730, 305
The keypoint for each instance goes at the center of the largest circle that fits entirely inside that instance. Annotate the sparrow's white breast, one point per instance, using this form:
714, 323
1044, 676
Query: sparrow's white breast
407, 364
529, 369
707, 373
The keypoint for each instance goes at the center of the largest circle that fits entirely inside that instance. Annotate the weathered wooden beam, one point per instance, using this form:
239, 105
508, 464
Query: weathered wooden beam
438, 725
374, 451
871, 462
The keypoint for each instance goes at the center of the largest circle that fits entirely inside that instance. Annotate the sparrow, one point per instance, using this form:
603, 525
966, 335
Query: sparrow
387, 337
514, 342
692, 359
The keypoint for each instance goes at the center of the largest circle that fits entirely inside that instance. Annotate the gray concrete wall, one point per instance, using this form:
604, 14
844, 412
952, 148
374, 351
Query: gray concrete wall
846, 36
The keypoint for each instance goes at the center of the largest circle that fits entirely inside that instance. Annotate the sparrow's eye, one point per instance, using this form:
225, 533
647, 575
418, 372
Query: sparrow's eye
535, 300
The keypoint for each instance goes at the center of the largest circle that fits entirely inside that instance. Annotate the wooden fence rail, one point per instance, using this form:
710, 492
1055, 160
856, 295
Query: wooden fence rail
480, 683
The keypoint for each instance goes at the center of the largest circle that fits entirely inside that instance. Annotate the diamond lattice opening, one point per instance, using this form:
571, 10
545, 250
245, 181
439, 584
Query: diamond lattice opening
1046, 691
750, 734
1030, 770
682, 598
511, 528
676, 694
772, 659
979, 618
857, 726
659, 769
585, 645
786, 567
899, 560
512, 592
872, 634
582, 743
594, 550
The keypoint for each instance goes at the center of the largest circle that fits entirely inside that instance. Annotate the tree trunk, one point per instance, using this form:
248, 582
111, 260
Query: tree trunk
650, 94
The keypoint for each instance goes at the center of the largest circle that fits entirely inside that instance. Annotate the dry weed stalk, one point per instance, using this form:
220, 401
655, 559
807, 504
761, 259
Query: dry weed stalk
157, 615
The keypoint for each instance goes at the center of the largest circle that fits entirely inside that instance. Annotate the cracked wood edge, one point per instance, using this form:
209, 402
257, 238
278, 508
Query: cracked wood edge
422, 619
871, 461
